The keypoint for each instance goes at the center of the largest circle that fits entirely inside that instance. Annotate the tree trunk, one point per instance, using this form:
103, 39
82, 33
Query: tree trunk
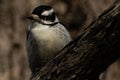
91, 53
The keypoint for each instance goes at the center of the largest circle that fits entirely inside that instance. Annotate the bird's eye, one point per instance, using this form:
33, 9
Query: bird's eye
49, 17
44, 17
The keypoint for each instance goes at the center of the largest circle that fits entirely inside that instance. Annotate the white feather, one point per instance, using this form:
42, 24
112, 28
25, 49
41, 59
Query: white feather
49, 12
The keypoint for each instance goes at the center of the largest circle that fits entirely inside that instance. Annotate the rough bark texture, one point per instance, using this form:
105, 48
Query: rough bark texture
90, 54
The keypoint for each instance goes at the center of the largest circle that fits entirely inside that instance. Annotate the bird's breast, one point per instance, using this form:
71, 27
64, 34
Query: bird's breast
49, 40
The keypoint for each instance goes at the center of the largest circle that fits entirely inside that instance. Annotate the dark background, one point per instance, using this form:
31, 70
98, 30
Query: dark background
75, 14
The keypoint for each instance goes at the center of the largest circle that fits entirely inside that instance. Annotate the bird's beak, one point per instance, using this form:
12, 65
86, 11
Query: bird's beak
33, 17
30, 17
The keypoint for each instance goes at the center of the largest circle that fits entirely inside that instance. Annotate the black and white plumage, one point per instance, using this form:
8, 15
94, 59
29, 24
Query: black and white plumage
46, 37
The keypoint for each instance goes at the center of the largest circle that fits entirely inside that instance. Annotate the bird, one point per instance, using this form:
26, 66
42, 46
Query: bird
46, 37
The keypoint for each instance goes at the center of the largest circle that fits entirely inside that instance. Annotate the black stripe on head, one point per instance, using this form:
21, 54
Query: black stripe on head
38, 10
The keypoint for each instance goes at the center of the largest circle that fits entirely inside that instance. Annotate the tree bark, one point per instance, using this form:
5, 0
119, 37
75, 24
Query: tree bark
91, 53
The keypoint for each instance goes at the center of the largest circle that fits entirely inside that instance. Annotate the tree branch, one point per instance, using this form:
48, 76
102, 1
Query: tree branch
91, 53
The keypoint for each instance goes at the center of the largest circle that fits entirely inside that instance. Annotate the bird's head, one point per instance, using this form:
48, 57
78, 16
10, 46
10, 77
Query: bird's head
44, 14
